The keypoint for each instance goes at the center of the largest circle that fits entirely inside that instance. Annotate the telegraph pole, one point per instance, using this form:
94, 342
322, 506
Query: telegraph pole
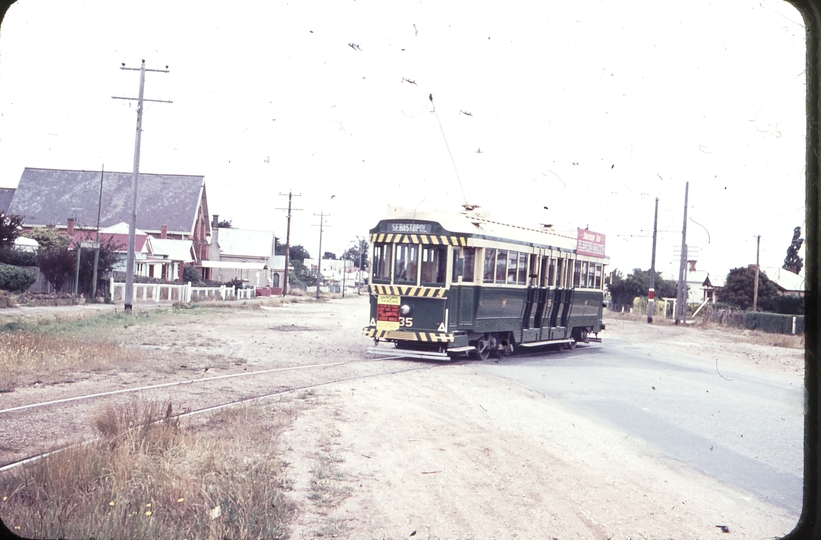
681, 300
287, 241
97, 238
129, 270
755, 286
652, 292
322, 217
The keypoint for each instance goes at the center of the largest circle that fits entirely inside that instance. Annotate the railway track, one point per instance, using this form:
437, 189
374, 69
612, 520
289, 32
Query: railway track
57, 424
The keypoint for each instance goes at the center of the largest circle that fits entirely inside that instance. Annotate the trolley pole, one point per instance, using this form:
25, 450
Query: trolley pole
129, 270
681, 300
755, 285
651, 294
287, 241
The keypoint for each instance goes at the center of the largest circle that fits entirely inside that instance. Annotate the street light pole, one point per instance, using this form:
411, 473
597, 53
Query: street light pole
652, 292
755, 286
681, 300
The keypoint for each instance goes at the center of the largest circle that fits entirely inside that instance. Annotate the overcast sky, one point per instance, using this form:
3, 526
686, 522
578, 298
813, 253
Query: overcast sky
591, 108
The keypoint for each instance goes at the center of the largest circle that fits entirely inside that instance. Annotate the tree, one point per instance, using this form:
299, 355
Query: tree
624, 291
298, 253
9, 229
48, 237
739, 287
107, 259
57, 265
360, 247
225, 224
328, 256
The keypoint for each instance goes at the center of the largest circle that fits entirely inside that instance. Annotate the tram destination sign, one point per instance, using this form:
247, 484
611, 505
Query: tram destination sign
590, 243
410, 228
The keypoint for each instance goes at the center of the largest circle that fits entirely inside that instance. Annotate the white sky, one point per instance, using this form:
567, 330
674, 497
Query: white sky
591, 108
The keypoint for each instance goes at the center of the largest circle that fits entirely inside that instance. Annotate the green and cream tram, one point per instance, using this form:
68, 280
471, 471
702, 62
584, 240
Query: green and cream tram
447, 284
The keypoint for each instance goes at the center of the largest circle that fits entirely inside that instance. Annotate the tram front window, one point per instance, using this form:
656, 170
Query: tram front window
434, 263
407, 258
382, 263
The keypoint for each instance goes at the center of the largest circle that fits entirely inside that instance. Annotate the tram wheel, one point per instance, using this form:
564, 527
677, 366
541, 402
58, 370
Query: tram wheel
483, 348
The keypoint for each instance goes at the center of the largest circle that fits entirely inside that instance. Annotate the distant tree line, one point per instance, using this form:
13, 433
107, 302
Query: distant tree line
737, 293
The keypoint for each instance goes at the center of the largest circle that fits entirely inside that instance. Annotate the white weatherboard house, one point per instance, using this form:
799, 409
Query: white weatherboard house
245, 255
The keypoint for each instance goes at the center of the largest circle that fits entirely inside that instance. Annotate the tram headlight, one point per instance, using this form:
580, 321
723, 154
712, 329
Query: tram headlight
404, 310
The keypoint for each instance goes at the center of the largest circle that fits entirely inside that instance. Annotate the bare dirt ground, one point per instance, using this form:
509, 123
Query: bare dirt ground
406, 449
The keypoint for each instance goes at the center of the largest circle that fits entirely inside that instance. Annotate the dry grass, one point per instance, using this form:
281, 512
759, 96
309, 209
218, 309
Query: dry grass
148, 476
27, 357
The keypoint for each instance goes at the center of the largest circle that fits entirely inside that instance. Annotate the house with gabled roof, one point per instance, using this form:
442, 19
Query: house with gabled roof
168, 205
5, 199
245, 255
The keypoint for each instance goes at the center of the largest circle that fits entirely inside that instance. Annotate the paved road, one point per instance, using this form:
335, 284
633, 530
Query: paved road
740, 425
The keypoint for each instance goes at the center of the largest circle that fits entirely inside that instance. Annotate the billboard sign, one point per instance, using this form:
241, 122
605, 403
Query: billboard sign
590, 243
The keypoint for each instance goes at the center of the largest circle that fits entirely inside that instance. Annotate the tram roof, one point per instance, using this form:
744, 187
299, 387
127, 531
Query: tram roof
478, 224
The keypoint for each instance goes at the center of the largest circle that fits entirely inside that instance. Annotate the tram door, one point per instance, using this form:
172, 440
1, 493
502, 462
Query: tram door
557, 330
463, 270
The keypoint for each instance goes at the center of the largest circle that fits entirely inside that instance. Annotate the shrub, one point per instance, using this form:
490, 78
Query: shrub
773, 322
18, 257
790, 305
15, 279
190, 274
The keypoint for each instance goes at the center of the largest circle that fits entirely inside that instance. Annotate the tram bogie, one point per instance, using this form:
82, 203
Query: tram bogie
452, 285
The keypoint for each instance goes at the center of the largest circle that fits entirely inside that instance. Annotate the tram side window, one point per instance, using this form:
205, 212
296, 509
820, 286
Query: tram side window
469, 254
434, 262
560, 273
382, 262
584, 275
590, 275
552, 273
512, 266
490, 265
577, 271
407, 257
598, 276
501, 266
522, 279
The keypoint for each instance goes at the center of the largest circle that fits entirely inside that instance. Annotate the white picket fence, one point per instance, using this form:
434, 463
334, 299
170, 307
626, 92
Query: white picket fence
165, 292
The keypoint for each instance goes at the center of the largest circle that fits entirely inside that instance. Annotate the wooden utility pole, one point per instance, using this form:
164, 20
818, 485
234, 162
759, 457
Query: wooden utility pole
322, 216
681, 300
287, 241
651, 294
755, 285
129, 270
97, 238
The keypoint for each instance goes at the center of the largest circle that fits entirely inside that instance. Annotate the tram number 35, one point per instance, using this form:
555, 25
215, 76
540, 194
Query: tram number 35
405, 322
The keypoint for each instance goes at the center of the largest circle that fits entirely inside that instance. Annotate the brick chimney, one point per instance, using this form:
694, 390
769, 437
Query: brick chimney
692, 266
215, 222
70, 226
164, 231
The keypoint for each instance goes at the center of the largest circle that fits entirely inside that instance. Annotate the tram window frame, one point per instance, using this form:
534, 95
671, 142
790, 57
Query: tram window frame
599, 272
437, 265
583, 276
591, 272
382, 263
501, 266
512, 267
577, 270
551, 269
413, 261
559, 272
521, 278
489, 268
467, 255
